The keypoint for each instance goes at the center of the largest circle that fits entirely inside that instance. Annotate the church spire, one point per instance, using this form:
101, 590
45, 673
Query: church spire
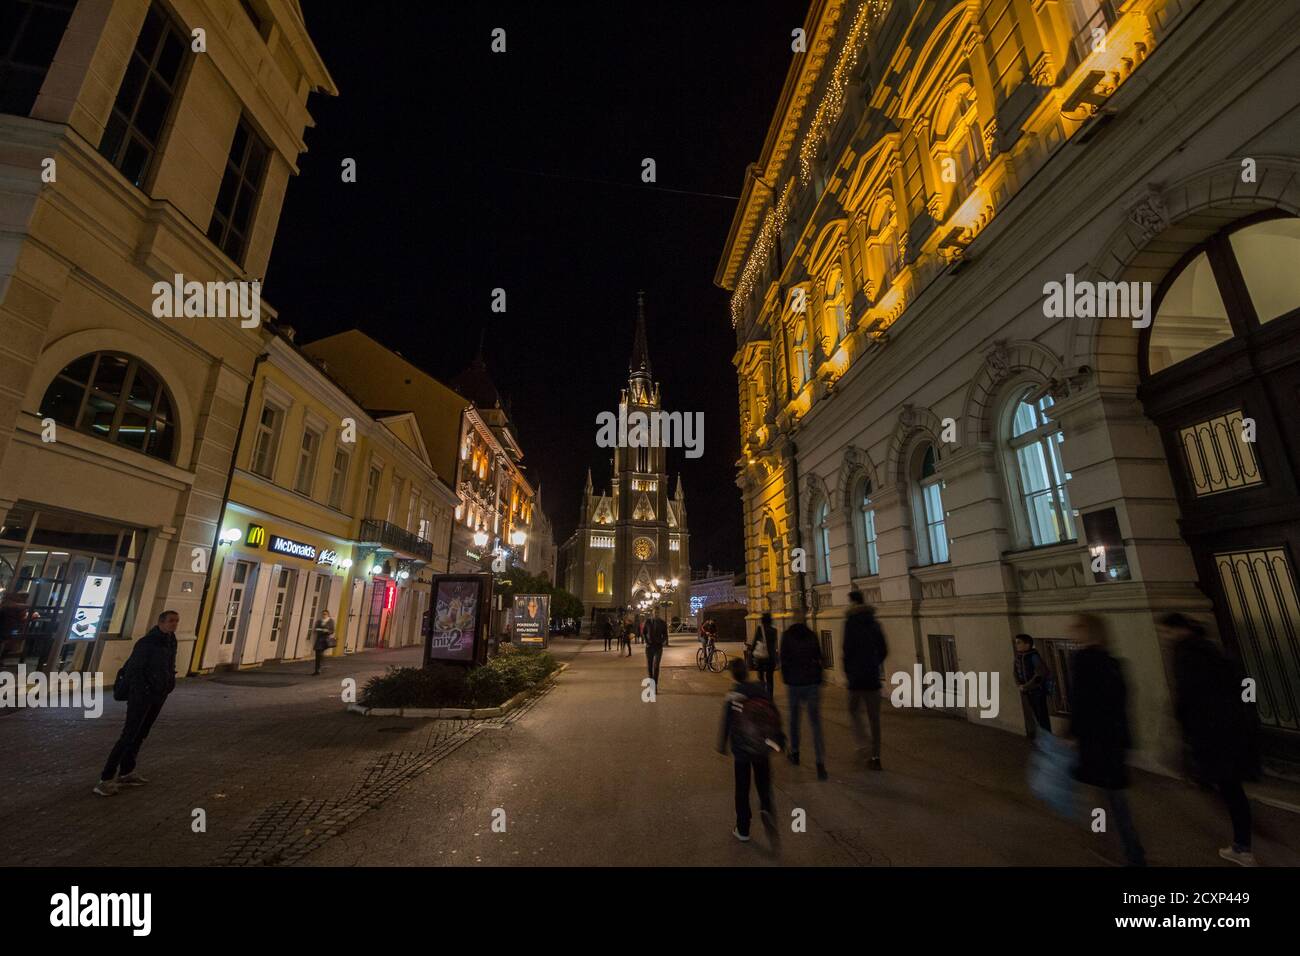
639, 364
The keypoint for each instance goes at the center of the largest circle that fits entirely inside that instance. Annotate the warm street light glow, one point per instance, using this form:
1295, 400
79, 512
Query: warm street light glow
231, 535
518, 537
480, 538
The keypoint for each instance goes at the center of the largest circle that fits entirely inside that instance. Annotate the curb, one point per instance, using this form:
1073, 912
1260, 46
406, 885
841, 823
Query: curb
460, 713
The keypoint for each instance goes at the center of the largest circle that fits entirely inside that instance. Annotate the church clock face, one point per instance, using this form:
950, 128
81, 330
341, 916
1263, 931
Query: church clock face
643, 548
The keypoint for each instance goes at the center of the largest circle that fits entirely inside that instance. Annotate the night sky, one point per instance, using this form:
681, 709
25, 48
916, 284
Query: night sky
523, 171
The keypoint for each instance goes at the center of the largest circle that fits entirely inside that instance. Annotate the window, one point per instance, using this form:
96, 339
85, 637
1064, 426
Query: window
395, 499
1006, 49
1191, 318
1267, 253
836, 314
30, 32
307, 452
822, 537
927, 508
372, 490
117, 397
339, 478
1058, 655
801, 361
864, 528
1034, 442
600, 581
267, 440
1218, 458
145, 97
232, 216
914, 181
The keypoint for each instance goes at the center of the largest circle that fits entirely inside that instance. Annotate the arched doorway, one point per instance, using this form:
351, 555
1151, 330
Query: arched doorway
1220, 376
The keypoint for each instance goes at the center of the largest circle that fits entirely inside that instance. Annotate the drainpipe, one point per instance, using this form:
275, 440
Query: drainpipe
225, 500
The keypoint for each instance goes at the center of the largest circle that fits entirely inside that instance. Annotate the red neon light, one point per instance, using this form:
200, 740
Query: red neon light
390, 596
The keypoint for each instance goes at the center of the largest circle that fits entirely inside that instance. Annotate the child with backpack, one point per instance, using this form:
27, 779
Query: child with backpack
751, 726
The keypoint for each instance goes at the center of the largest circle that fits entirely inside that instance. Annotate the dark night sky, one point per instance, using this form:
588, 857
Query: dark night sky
475, 171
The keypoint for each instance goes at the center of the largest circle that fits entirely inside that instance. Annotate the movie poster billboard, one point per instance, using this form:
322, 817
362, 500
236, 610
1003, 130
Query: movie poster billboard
457, 629
531, 619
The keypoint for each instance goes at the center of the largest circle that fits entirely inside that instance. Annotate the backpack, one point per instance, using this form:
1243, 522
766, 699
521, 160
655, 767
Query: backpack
756, 723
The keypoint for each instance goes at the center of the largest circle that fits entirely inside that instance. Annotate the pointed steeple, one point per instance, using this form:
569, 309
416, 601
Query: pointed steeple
587, 489
639, 364
680, 493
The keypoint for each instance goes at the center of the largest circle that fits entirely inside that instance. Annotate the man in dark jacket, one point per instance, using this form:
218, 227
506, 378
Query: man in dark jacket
750, 753
607, 631
1099, 723
656, 636
763, 652
1031, 679
801, 670
1219, 732
150, 677
864, 656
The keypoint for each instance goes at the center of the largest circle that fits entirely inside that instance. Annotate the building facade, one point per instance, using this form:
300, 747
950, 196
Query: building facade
131, 160
635, 535
924, 417
714, 587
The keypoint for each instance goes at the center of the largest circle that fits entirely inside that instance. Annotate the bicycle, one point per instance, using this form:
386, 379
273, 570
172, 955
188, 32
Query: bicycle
711, 658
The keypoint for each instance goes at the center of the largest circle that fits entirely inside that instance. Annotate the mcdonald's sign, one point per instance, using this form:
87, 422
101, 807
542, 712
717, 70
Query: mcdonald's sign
256, 536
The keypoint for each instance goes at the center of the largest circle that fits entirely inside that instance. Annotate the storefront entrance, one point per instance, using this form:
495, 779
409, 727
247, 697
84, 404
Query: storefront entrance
66, 583
1221, 378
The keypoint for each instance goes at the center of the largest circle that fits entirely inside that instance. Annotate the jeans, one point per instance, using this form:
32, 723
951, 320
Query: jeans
1122, 814
1234, 795
762, 772
810, 696
871, 700
141, 711
653, 654
627, 645
608, 641
320, 656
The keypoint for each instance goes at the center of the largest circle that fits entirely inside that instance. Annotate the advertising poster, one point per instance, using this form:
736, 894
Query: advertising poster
532, 619
454, 625
90, 607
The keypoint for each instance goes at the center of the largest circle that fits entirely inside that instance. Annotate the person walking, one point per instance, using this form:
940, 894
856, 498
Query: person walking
607, 631
324, 631
656, 636
1099, 723
1032, 677
1221, 748
751, 728
628, 630
801, 671
762, 652
864, 657
146, 678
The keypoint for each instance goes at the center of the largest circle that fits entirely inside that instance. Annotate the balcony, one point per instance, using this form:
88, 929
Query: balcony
389, 537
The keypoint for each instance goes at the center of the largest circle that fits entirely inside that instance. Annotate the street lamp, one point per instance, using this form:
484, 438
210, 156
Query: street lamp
480, 538
518, 537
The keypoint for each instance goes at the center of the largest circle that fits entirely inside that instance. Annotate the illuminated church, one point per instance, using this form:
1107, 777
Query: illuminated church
635, 534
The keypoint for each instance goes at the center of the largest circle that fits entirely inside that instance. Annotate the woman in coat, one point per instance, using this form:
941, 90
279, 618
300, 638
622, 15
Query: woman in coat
324, 631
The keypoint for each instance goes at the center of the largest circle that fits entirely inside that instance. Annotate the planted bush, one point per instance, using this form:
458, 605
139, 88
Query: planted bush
447, 685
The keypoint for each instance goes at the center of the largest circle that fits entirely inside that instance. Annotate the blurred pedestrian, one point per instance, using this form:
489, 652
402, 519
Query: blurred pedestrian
607, 631
751, 727
1032, 677
801, 672
1099, 723
656, 636
145, 680
864, 660
323, 637
763, 652
627, 629
1221, 749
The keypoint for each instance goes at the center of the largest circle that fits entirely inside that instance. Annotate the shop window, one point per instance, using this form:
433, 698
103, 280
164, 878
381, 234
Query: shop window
144, 100
116, 397
864, 531
30, 32
266, 442
1033, 457
232, 216
931, 531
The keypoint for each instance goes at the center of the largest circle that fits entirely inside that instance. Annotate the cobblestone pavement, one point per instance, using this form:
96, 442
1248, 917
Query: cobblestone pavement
270, 755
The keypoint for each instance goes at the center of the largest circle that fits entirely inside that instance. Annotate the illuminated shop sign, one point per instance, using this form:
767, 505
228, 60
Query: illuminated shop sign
295, 549
256, 536
328, 556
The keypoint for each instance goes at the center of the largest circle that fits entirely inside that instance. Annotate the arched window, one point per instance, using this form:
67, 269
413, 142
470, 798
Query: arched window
836, 313
600, 580
864, 530
802, 370
1033, 442
116, 397
822, 539
931, 532
1205, 305
882, 245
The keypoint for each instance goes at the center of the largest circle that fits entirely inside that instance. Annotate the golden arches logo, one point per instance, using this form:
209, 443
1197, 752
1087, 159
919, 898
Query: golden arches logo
256, 536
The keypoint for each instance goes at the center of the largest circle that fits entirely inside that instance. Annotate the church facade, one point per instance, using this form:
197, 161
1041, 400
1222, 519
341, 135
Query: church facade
634, 534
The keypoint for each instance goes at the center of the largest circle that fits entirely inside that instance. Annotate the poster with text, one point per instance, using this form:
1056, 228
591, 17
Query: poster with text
532, 619
455, 620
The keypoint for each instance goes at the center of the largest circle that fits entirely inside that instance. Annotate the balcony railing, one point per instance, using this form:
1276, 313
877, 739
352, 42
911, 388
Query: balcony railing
386, 535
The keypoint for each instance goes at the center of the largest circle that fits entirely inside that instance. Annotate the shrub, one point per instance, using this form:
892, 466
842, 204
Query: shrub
448, 685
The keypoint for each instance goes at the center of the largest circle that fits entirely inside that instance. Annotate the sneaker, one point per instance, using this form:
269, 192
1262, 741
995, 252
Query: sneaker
875, 764
132, 779
821, 772
742, 837
1240, 857
106, 788
793, 757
